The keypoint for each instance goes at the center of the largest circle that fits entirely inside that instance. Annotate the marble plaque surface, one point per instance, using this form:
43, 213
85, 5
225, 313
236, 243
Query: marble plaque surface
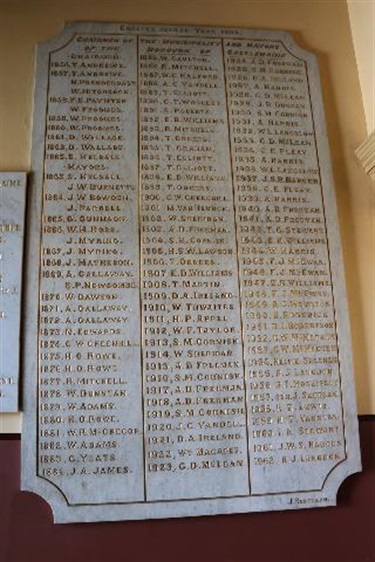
12, 217
187, 343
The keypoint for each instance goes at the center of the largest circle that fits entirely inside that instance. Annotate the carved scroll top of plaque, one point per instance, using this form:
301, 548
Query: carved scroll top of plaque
188, 344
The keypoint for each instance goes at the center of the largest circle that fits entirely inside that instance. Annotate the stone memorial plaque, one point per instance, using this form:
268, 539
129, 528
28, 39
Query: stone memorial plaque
187, 345
12, 217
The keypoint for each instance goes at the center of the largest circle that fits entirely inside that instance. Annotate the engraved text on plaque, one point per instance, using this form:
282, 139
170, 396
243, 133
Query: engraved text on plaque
187, 303
12, 215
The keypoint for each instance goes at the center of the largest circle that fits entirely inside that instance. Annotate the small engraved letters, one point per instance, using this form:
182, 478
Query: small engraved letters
12, 215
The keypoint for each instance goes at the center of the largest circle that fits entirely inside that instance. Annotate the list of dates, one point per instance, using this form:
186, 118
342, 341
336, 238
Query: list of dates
187, 343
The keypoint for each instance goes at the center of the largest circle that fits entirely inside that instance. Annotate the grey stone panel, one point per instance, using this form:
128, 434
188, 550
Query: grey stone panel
187, 330
12, 217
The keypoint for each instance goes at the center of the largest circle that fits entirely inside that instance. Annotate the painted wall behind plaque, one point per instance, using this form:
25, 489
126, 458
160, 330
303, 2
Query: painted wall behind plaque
362, 22
323, 27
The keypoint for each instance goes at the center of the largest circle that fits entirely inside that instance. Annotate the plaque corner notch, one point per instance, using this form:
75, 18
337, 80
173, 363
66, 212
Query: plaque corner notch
296, 45
60, 39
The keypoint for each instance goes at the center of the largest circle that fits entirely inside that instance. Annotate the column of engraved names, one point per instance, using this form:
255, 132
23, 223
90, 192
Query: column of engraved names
195, 413
89, 428
290, 350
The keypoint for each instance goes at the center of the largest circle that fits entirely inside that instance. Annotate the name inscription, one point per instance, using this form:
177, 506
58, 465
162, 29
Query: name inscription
188, 337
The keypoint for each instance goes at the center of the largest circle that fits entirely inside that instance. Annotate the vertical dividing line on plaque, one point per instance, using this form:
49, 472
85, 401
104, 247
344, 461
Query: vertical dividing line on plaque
40, 253
235, 213
141, 330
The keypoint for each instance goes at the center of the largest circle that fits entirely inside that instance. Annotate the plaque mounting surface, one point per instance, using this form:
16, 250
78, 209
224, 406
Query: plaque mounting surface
187, 342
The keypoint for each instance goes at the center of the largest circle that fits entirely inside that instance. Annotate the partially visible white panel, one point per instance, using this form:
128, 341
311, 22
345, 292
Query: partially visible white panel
12, 216
10, 423
366, 155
